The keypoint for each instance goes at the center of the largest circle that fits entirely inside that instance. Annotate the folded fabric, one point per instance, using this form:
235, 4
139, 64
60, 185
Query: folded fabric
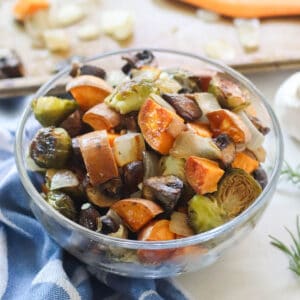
33, 266
250, 9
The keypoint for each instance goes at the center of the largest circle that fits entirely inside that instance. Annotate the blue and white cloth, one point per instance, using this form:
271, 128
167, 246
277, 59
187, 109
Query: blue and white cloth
33, 266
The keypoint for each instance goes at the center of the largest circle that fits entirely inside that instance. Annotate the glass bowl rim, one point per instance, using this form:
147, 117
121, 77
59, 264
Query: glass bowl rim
135, 244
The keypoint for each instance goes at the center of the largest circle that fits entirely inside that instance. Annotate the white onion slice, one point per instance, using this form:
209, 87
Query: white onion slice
179, 224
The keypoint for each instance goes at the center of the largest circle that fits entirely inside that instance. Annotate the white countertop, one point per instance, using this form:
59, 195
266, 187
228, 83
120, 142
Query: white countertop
255, 270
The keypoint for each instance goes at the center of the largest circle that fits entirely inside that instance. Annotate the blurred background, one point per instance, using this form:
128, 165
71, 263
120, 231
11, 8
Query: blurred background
39, 37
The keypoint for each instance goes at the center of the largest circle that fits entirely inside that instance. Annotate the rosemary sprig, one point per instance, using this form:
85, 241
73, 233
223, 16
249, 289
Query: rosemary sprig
293, 251
292, 175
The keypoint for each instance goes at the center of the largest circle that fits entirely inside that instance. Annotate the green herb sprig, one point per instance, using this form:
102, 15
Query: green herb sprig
291, 175
293, 251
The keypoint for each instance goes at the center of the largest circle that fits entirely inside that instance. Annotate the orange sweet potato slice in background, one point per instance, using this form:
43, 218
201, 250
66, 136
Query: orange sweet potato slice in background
224, 121
203, 174
159, 126
101, 117
98, 157
26, 8
156, 231
245, 162
88, 90
136, 212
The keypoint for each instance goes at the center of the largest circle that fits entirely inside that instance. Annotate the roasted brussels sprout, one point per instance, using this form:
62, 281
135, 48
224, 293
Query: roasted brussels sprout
185, 107
50, 148
133, 174
166, 84
65, 181
89, 217
138, 60
229, 93
62, 203
170, 165
261, 177
204, 214
191, 144
130, 96
237, 190
51, 111
166, 190
186, 79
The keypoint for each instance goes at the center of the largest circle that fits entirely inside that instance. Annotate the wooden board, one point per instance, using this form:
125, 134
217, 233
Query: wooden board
158, 23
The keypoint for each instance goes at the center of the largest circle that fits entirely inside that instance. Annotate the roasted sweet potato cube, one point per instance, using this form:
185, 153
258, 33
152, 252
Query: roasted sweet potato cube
98, 157
245, 162
101, 117
88, 90
224, 121
136, 212
159, 126
203, 174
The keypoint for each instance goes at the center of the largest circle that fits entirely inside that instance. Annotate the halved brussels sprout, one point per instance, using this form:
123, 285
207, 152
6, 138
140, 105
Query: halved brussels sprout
62, 203
64, 180
229, 93
130, 96
51, 147
237, 191
204, 214
170, 165
51, 111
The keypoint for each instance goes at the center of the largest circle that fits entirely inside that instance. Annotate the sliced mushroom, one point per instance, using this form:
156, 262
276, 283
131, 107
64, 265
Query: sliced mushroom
184, 106
78, 70
227, 147
89, 217
138, 60
104, 195
133, 174
73, 124
166, 190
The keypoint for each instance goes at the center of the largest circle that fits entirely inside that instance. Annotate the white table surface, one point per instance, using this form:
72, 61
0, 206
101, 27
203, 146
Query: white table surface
253, 269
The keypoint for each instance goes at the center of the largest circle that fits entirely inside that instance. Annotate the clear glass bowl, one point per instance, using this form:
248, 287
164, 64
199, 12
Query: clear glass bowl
120, 256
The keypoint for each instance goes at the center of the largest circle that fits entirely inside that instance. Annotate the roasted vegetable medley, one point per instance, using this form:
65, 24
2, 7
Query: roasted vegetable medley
149, 154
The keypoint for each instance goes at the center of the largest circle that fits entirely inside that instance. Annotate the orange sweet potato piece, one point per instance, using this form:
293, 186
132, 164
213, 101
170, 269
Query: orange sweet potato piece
98, 157
136, 212
225, 121
88, 90
156, 231
200, 128
245, 162
202, 174
26, 8
101, 117
159, 126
